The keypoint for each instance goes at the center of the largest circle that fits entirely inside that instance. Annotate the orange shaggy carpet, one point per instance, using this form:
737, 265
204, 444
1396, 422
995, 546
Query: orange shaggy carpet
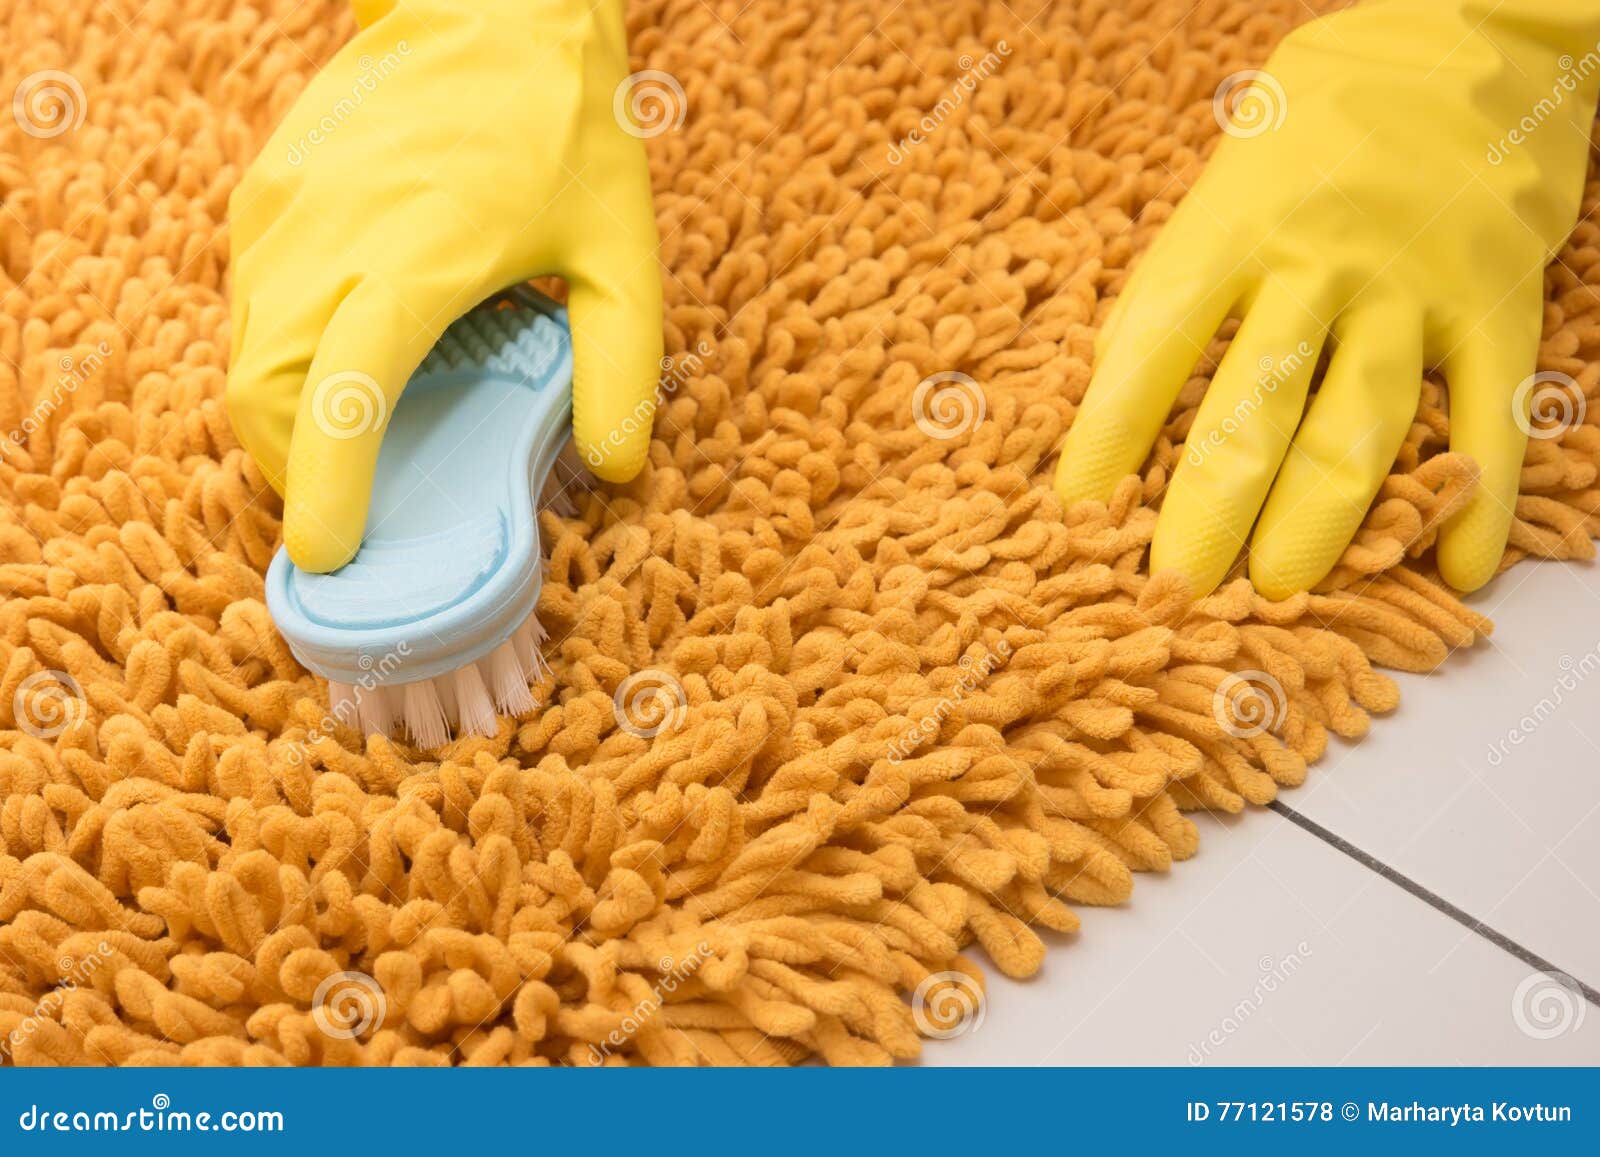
925, 712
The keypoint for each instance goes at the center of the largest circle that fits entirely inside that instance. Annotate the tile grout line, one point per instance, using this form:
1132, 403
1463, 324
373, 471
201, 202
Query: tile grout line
1432, 899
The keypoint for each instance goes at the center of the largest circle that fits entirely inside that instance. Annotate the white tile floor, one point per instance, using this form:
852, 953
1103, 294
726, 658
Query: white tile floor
1274, 947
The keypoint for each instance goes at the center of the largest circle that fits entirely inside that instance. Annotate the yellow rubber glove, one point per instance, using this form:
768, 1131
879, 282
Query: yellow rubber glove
450, 149
1393, 184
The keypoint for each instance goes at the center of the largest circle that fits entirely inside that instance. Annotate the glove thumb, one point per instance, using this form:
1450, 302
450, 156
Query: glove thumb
616, 355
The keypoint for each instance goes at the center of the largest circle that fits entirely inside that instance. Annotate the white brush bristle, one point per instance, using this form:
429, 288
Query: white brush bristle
522, 643
445, 687
375, 710
424, 714
463, 702
473, 703
528, 640
508, 681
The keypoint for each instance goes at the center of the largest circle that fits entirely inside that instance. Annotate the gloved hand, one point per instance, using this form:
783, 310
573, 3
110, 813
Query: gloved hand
1402, 210
450, 149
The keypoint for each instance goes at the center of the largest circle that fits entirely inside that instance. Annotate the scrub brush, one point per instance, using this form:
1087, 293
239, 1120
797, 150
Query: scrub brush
431, 627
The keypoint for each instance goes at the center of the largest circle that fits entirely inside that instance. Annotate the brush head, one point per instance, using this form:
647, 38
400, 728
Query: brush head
430, 630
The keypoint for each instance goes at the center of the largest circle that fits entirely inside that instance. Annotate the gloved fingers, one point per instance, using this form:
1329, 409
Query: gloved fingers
272, 350
1160, 335
1238, 440
1488, 422
1344, 450
262, 416
279, 311
375, 339
1106, 334
616, 364
614, 307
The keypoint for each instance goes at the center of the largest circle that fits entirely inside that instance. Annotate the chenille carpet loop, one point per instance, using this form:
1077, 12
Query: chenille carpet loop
902, 715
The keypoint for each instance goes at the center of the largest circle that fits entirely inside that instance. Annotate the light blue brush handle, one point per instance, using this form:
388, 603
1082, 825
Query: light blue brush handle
449, 565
